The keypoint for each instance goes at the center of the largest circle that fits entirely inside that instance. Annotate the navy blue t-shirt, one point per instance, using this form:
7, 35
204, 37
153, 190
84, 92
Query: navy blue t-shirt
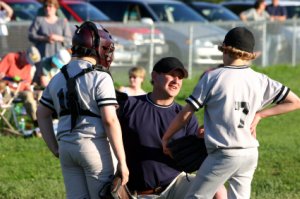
143, 125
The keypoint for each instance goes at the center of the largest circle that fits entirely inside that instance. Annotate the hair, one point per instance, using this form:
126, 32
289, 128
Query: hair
237, 53
51, 2
257, 3
137, 71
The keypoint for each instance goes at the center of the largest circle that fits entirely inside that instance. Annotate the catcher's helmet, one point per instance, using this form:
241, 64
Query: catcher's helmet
91, 39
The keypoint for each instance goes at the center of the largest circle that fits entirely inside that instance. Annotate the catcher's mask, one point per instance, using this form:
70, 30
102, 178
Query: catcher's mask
91, 39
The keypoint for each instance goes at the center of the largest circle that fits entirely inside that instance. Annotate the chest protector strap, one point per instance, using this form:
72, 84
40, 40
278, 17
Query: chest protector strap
73, 104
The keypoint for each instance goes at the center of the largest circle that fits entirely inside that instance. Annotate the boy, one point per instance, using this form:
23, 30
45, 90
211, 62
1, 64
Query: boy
234, 96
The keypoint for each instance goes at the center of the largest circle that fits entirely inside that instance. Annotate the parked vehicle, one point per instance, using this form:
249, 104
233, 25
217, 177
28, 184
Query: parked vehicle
165, 13
126, 53
24, 10
213, 12
79, 11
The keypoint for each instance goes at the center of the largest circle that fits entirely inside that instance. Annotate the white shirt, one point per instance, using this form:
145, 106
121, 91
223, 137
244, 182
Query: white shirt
94, 89
231, 97
252, 15
3, 20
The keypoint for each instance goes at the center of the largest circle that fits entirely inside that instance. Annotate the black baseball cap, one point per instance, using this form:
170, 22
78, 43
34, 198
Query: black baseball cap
168, 64
240, 38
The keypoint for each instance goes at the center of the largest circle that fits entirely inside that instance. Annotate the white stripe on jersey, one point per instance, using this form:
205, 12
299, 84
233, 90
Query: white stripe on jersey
281, 96
193, 102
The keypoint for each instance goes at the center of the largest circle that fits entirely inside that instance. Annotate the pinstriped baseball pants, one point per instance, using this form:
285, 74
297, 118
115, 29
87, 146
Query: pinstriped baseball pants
236, 166
86, 167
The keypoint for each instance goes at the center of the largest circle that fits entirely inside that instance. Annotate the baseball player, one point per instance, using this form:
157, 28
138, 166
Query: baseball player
83, 97
234, 97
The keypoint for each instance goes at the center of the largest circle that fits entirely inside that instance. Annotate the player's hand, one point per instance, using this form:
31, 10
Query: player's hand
201, 132
166, 150
123, 169
254, 124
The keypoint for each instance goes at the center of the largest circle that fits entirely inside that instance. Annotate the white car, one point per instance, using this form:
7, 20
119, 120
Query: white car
126, 53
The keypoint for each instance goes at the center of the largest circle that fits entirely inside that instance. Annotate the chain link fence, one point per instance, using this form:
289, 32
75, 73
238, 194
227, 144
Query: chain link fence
195, 44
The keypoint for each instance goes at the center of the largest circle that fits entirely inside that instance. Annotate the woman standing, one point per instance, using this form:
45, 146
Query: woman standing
50, 33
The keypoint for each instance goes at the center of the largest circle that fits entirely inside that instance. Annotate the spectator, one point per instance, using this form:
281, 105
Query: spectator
234, 97
84, 98
50, 66
6, 13
50, 33
277, 14
144, 119
136, 79
41, 11
257, 13
16, 68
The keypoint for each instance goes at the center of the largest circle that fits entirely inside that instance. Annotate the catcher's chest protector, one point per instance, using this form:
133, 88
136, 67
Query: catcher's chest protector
73, 104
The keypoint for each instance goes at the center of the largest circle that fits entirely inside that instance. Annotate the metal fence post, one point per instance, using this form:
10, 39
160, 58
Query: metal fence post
191, 45
294, 43
264, 45
151, 54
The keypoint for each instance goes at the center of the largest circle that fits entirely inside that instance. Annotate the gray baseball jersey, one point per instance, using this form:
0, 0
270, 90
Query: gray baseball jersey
231, 96
94, 89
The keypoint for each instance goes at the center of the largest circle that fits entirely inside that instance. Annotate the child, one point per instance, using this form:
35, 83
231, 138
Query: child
234, 96
136, 79
83, 137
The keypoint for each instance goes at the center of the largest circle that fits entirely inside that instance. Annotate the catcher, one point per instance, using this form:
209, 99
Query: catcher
144, 119
84, 98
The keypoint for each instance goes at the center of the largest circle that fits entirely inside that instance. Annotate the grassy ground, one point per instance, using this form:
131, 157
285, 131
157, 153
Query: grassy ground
29, 171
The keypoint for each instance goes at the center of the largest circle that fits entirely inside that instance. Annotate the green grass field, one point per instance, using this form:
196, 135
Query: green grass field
29, 171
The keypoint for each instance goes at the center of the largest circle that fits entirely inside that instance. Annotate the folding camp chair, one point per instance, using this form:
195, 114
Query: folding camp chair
7, 127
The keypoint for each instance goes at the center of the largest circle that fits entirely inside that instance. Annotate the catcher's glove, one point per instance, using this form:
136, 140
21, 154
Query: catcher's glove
188, 152
115, 190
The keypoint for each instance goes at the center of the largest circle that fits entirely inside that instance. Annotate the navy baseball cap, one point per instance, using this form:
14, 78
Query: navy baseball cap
168, 64
240, 38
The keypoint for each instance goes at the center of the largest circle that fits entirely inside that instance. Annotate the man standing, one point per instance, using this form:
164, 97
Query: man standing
277, 12
274, 45
144, 119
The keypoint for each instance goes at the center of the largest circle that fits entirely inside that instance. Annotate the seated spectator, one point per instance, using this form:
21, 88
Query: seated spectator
16, 69
136, 79
49, 66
